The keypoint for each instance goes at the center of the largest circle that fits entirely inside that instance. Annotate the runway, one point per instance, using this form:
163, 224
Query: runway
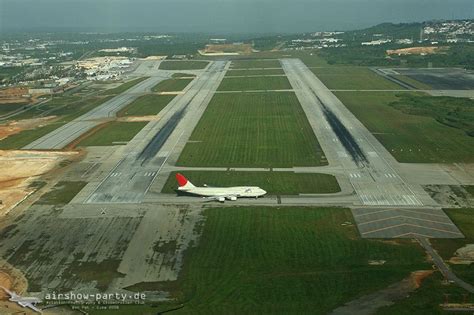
61, 137
370, 168
143, 157
348, 144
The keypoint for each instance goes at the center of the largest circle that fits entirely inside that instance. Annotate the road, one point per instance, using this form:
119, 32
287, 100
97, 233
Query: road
143, 157
442, 266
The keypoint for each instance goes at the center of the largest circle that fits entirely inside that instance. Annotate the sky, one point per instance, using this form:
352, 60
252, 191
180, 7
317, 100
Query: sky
221, 16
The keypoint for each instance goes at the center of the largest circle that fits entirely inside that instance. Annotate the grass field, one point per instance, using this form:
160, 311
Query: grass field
111, 133
19, 140
253, 130
254, 72
353, 78
275, 183
123, 87
248, 64
172, 85
8, 108
62, 193
183, 65
457, 112
254, 83
146, 105
286, 261
426, 300
463, 219
410, 138
310, 59
183, 75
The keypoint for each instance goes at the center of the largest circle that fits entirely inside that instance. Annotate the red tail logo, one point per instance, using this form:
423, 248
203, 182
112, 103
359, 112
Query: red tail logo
181, 179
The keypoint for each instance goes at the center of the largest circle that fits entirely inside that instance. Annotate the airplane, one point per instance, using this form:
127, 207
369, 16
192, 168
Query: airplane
29, 302
218, 193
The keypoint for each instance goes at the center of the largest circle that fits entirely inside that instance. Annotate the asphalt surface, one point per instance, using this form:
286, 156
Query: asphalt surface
437, 78
405, 223
143, 157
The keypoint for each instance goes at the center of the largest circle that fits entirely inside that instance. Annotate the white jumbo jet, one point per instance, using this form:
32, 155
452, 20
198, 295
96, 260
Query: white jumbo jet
219, 193
29, 301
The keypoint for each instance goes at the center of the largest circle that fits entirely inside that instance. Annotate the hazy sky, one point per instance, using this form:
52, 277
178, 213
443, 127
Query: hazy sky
221, 16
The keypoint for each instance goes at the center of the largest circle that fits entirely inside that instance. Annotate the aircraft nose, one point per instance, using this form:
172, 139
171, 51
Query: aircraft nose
263, 192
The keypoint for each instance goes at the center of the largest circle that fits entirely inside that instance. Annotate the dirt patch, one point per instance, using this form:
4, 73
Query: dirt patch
14, 95
170, 93
139, 118
464, 255
417, 50
377, 262
14, 127
11, 279
369, 304
450, 196
417, 277
20, 169
228, 48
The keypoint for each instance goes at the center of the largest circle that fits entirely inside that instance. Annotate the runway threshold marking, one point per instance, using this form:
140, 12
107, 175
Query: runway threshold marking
412, 233
412, 225
404, 217
407, 210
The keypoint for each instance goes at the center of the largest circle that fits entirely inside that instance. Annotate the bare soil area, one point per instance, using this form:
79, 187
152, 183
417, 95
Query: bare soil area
139, 118
11, 279
417, 50
464, 255
20, 169
14, 95
14, 127
369, 304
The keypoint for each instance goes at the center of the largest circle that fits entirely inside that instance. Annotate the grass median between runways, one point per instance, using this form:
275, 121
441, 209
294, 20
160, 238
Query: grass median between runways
254, 84
62, 193
353, 78
249, 64
275, 183
245, 72
183, 65
172, 85
146, 105
123, 87
112, 133
253, 130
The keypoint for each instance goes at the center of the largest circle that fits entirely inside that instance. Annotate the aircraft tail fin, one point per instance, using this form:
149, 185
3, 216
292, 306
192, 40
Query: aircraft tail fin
183, 182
